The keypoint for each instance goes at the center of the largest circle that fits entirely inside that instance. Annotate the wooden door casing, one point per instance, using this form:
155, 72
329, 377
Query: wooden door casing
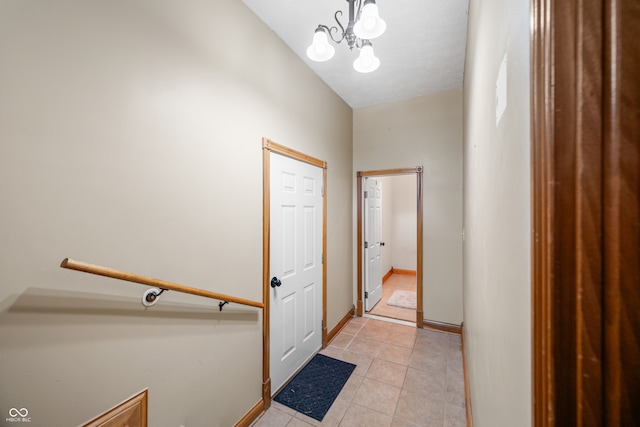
586, 212
360, 176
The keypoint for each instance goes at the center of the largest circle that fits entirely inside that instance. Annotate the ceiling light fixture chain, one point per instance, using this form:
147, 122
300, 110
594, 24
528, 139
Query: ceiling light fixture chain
364, 24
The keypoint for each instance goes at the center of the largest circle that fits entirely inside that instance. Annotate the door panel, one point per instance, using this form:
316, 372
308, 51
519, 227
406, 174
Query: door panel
296, 260
309, 214
310, 314
288, 326
288, 247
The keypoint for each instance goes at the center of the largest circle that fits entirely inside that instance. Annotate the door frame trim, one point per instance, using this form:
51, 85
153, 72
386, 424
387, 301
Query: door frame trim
359, 194
567, 213
268, 147
585, 183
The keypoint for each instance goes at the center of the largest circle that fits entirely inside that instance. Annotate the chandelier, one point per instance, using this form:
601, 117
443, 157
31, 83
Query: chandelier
364, 25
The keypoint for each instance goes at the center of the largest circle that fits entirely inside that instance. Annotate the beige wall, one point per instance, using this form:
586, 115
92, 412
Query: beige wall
403, 251
398, 222
387, 223
424, 131
130, 136
497, 303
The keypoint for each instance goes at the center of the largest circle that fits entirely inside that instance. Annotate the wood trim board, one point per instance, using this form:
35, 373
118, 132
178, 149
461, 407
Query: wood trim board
386, 276
403, 272
134, 408
331, 335
467, 388
252, 415
586, 212
394, 270
442, 326
266, 244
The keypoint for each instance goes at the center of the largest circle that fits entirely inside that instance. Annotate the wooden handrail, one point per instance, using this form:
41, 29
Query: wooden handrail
115, 274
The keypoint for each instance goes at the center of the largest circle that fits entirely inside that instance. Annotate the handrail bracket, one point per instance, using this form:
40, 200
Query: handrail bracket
150, 296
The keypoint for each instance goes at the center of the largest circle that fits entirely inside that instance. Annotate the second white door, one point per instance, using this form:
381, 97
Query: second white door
372, 240
295, 266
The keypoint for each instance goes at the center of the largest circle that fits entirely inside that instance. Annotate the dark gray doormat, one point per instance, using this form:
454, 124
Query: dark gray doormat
316, 386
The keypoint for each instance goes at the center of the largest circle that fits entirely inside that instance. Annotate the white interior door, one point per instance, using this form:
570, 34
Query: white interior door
295, 266
372, 238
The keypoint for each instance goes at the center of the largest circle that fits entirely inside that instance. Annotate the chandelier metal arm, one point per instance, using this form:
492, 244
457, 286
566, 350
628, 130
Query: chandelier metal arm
355, 7
343, 32
330, 31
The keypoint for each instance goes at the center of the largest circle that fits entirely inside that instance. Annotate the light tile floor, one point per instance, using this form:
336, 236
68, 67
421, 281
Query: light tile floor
405, 377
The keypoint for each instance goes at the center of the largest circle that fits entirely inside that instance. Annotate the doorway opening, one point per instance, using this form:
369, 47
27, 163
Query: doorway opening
374, 254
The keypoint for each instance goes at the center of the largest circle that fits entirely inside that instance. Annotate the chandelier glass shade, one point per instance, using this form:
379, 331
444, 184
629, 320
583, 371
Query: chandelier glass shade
367, 61
364, 25
370, 25
320, 50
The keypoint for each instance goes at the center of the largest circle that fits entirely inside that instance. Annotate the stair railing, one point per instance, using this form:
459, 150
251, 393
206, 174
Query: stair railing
150, 297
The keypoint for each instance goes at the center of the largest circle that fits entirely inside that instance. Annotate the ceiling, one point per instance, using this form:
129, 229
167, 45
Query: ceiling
421, 52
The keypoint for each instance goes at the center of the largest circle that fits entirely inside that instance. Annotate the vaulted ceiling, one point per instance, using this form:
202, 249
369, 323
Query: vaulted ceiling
421, 52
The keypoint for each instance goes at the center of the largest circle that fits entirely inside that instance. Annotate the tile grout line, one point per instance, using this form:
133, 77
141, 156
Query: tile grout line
362, 333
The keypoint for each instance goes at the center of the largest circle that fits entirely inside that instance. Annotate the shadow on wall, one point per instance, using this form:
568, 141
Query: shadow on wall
95, 350
47, 306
